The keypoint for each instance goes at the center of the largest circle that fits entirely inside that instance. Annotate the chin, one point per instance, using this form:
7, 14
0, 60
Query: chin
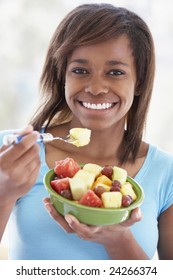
96, 126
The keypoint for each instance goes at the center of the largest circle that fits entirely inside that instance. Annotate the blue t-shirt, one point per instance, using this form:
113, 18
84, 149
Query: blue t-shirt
33, 234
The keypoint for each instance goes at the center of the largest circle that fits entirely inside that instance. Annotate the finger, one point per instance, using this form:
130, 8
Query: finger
16, 151
31, 155
7, 140
25, 130
82, 230
56, 216
26, 183
33, 174
22, 165
30, 171
3, 148
46, 200
135, 217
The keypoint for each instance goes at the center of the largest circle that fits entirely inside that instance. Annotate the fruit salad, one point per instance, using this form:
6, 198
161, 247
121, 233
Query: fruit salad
93, 185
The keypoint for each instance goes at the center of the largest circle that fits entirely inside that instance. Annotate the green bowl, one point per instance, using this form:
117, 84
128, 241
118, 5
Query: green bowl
92, 215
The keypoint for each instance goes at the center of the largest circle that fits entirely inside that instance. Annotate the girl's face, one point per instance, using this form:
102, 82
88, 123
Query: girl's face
100, 82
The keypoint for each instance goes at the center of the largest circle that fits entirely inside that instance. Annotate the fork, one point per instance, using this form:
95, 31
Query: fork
43, 138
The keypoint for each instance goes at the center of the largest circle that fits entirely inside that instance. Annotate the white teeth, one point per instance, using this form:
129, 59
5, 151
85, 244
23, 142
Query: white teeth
97, 106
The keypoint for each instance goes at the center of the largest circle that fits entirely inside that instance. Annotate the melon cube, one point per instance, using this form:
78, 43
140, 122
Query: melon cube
93, 168
88, 178
119, 174
78, 188
127, 189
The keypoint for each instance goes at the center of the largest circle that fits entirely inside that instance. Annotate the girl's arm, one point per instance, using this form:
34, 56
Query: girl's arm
165, 245
19, 167
5, 212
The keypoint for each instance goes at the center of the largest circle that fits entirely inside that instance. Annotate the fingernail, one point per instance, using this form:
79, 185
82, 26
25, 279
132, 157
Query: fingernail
69, 220
48, 208
139, 214
36, 134
29, 126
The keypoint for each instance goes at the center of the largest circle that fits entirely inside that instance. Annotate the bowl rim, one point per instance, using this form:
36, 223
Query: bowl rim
62, 199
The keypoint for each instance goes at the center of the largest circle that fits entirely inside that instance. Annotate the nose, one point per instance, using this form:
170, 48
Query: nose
96, 85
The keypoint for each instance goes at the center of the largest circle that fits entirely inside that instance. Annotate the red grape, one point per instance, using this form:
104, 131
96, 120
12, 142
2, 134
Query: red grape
116, 185
99, 190
126, 200
67, 194
115, 189
107, 171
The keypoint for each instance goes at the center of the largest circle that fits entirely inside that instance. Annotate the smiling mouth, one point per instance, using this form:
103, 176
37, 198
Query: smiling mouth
99, 106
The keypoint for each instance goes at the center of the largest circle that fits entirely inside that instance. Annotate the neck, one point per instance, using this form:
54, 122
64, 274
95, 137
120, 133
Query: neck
105, 143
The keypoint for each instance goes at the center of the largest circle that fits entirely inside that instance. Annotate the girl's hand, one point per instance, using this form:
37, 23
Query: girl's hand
102, 234
117, 239
19, 166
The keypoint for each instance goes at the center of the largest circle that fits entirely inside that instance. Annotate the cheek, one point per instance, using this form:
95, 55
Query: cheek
67, 89
69, 96
128, 98
72, 87
69, 86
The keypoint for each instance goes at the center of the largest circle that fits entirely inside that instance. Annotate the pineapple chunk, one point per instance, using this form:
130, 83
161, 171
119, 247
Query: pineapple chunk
78, 188
112, 199
81, 135
88, 178
127, 189
102, 180
93, 168
119, 174
106, 187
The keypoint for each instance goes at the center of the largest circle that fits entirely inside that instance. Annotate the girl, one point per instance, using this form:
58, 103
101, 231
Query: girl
98, 74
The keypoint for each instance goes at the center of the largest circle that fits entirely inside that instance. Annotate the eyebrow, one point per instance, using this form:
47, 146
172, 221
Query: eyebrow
109, 62
116, 62
79, 60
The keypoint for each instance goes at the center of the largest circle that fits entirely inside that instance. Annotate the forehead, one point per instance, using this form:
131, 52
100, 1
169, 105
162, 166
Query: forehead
118, 48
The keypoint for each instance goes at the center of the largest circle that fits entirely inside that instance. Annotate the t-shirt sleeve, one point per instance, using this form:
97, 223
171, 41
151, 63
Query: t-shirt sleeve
167, 195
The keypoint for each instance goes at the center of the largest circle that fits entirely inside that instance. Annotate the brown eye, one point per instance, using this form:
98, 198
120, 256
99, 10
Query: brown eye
80, 71
116, 72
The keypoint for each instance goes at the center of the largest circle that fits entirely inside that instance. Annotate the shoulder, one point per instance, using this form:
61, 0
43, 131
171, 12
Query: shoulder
160, 163
156, 158
157, 168
159, 155
161, 166
159, 173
